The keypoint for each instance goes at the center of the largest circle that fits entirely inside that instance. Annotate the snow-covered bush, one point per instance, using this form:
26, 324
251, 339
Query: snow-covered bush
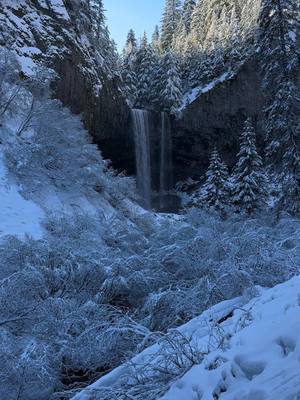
102, 286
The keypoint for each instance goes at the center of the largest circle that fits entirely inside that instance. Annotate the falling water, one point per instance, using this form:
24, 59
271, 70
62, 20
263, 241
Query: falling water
142, 153
166, 167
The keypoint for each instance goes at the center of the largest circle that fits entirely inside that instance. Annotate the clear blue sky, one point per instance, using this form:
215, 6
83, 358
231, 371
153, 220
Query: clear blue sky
140, 15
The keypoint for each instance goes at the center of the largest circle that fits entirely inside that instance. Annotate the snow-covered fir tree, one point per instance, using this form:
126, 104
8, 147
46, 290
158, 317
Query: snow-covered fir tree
183, 30
91, 21
97, 17
128, 68
171, 93
249, 191
145, 64
187, 12
129, 79
130, 45
215, 192
234, 41
170, 21
279, 27
156, 39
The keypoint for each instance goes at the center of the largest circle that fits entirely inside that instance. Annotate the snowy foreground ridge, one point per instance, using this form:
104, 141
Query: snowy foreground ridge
259, 358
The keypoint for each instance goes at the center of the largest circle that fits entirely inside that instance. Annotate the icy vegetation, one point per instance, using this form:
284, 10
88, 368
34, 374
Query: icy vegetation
253, 355
232, 351
103, 300
105, 278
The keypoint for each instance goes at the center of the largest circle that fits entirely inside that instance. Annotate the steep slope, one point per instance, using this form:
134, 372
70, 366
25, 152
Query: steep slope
248, 352
48, 31
261, 359
18, 216
228, 34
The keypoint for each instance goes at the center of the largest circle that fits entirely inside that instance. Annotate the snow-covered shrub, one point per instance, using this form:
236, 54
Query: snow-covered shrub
101, 286
150, 379
28, 368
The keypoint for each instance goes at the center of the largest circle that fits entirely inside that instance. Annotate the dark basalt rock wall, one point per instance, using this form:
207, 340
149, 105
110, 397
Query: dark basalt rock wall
216, 118
106, 117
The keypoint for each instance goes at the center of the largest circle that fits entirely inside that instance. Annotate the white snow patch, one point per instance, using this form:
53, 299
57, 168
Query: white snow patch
192, 95
18, 216
259, 362
262, 360
59, 8
292, 36
27, 64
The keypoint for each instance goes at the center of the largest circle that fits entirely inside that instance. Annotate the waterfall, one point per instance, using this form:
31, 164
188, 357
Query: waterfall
143, 154
166, 165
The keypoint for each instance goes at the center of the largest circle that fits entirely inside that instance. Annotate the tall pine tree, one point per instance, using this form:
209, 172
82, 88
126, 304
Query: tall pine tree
128, 68
145, 65
187, 12
170, 21
278, 30
215, 192
156, 40
249, 192
171, 84
130, 45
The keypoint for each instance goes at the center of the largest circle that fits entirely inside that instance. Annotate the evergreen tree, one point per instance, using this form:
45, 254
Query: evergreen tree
128, 68
179, 43
129, 79
145, 64
249, 191
171, 93
170, 20
130, 45
187, 12
279, 27
97, 17
197, 24
156, 39
233, 40
215, 193
157, 83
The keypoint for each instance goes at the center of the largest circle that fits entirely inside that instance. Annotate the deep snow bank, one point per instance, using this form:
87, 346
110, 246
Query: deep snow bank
258, 359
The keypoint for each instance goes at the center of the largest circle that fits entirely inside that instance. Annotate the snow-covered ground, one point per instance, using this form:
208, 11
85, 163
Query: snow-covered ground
259, 358
262, 358
18, 216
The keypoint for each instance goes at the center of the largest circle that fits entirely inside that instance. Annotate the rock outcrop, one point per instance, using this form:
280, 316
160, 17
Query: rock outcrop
216, 118
46, 30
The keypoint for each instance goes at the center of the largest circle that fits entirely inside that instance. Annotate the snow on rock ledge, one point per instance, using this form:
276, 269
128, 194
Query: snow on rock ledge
193, 94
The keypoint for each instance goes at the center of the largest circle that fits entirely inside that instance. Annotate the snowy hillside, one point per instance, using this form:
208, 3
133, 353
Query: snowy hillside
102, 299
247, 352
18, 216
260, 358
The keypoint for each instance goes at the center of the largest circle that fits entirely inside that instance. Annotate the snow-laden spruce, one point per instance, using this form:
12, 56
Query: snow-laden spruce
278, 32
215, 192
249, 181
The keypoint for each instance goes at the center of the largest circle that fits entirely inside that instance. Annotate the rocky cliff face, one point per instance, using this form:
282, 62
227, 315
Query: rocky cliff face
216, 118
46, 30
